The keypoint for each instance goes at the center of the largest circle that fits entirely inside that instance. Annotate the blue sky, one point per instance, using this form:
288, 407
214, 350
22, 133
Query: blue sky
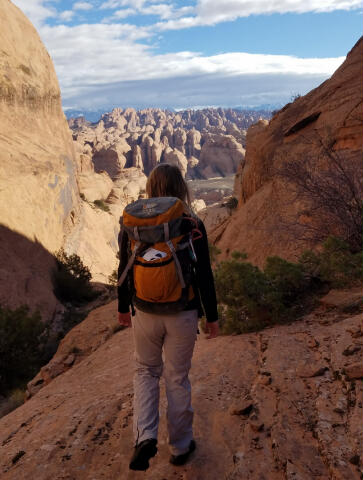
182, 54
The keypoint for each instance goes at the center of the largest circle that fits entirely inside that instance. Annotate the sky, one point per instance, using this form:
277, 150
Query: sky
194, 53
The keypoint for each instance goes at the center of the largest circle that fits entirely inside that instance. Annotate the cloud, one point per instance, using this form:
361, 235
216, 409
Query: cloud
160, 9
113, 60
114, 63
66, 15
82, 6
36, 10
211, 12
126, 12
138, 4
186, 92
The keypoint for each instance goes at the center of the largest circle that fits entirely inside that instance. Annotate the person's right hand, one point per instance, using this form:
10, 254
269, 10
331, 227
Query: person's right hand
213, 329
124, 319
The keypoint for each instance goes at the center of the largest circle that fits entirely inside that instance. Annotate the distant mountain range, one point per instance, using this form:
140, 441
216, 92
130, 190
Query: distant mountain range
95, 115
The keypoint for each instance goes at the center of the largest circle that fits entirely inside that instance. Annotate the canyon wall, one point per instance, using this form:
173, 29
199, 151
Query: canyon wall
326, 121
38, 189
43, 177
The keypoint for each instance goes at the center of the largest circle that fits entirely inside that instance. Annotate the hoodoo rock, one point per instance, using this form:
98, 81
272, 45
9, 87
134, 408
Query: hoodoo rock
220, 156
154, 133
326, 121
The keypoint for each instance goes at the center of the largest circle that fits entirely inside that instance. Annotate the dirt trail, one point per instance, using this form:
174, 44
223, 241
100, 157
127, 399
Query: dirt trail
273, 405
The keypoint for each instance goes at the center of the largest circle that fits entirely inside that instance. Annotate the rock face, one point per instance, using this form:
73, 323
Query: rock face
38, 189
226, 152
142, 139
276, 404
331, 114
48, 182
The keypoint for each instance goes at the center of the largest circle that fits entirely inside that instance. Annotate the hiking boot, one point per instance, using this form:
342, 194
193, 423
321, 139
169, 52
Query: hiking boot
181, 459
142, 454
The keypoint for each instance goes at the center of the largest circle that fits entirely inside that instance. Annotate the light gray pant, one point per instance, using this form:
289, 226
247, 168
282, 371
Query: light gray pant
175, 335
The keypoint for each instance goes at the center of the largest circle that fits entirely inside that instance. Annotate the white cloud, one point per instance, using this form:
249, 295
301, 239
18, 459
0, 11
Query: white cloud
113, 58
66, 15
163, 10
125, 12
211, 12
35, 10
82, 6
100, 64
138, 4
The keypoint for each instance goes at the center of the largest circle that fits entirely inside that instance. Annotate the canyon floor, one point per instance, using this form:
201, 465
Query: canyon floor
285, 403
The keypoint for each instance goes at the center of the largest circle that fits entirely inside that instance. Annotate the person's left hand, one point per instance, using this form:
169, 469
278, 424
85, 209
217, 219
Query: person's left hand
213, 329
124, 319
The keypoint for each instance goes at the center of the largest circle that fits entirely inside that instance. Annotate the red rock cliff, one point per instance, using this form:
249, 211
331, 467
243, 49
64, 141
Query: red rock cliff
330, 113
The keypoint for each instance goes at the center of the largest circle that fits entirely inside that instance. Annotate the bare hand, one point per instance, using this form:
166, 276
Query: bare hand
213, 329
124, 319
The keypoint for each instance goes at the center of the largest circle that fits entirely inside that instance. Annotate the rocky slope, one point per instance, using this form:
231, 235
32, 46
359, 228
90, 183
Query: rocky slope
203, 143
331, 115
285, 403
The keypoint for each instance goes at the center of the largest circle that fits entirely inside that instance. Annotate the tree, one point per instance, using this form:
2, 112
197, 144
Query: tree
330, 186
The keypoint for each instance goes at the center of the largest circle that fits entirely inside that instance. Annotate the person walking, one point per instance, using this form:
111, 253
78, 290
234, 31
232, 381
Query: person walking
164, 342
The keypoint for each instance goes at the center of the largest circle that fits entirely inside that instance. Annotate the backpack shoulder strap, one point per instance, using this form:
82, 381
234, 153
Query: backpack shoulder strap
129, 264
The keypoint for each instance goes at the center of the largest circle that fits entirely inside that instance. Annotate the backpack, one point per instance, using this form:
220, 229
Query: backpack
162, 256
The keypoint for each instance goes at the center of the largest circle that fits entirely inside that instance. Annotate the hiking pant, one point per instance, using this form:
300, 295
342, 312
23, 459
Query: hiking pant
174, 335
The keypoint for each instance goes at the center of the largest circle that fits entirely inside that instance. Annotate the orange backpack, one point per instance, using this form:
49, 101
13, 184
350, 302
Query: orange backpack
162, 254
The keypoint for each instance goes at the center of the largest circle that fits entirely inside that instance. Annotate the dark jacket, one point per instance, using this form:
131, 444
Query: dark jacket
203, 284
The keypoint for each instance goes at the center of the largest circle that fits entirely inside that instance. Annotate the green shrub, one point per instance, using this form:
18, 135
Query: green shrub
251, 299
82, 196
22, 340
288, 281
335, 265
243, 289
71, 279
213, 252
102, 205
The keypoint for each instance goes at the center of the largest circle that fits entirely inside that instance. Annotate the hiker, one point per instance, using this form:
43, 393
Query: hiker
168, 326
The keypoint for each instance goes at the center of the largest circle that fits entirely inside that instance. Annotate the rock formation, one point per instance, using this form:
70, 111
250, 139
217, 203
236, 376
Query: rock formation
142, 139
48, 182
282, 403
38, 190
330, 115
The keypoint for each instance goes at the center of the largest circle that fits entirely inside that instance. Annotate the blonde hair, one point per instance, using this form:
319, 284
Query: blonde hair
166, 180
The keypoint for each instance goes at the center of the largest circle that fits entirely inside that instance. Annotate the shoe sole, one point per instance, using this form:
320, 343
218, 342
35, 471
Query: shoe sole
142, 464
179, 460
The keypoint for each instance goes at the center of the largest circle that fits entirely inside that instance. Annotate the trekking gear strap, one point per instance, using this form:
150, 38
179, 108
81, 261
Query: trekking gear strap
177, 263
166, 232
136, 234
129, 264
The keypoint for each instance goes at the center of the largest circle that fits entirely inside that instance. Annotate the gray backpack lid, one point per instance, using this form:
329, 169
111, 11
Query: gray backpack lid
150, 207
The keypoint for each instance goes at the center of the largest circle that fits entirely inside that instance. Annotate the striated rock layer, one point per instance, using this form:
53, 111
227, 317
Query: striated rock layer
285, 403
331, 114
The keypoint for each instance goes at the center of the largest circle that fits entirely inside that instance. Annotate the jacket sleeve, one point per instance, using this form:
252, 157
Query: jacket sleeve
204, 276
123, 292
